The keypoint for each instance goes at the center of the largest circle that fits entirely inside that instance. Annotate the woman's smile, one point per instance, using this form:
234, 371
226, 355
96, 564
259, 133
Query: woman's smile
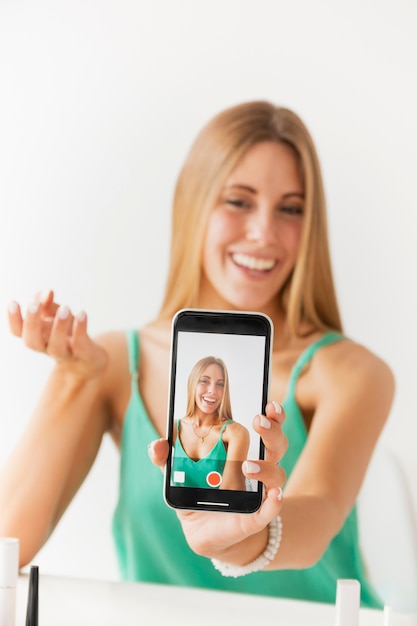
210, 400
255, 265
209, 403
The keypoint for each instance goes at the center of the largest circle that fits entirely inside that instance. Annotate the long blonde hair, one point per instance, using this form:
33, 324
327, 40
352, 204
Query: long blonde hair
225, 408
309, 294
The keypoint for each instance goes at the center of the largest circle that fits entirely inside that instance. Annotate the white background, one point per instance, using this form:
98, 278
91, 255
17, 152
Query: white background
99, 101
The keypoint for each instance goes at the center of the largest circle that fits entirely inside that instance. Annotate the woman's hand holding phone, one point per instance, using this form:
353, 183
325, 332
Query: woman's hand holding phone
214, 537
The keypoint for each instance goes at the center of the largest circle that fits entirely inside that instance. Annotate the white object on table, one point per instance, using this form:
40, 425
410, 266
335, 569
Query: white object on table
9, 568
348, 594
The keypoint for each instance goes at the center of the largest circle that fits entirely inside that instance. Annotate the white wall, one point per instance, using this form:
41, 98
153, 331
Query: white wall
99, 101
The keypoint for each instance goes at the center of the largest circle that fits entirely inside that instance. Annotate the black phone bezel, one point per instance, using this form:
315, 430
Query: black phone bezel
226, 322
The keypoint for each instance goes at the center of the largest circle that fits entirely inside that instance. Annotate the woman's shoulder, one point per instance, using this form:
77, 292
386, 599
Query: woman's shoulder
116, 342
157, 333
117, 371
345, 352
347, 362
112, 340
236, 429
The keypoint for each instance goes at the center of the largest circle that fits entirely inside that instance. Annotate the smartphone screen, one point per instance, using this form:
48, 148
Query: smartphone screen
219, 381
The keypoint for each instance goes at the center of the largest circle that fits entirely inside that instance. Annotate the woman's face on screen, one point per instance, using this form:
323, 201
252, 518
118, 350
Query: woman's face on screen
210, 389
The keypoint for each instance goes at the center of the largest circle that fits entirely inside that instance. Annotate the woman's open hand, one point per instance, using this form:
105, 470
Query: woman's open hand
53, 330
218, 535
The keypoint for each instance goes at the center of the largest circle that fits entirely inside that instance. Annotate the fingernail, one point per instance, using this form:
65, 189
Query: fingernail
80, 317
12, 307
63, 312
251, 468
264, 421
278, 407
280, 495
33, 307
45, 295
151, 448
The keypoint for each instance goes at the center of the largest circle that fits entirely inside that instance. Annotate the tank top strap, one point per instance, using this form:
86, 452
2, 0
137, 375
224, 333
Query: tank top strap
225, 425
132, 340
306, 356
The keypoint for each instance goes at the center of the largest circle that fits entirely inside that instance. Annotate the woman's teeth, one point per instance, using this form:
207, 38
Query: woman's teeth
253, 263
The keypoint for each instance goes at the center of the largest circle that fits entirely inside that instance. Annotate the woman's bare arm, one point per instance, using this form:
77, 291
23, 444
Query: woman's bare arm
354, 393
62, 438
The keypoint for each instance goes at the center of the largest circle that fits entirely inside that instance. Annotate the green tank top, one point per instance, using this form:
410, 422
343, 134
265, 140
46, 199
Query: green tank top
204, 473
149, 541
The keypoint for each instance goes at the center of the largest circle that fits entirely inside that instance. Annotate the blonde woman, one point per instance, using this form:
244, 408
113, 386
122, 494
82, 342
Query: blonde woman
209, 446
249, 232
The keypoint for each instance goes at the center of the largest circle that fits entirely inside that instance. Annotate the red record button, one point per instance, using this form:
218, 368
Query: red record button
214, 479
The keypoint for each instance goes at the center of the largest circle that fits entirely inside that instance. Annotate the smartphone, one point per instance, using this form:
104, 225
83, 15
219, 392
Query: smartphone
219, 380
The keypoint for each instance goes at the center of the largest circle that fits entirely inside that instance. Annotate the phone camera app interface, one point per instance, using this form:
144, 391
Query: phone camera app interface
218, 391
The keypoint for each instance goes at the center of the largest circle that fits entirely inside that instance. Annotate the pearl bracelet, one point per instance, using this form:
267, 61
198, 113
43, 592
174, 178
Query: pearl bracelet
274, 541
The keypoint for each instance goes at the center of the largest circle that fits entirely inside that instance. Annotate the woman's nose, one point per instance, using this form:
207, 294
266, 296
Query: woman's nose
261, 226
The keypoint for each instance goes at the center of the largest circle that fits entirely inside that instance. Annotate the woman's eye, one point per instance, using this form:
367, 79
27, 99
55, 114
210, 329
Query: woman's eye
220, 385
292, 210
204, 381
236, 202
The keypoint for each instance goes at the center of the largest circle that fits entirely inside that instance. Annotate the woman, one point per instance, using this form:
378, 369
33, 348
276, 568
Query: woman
209, 447
249, 232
